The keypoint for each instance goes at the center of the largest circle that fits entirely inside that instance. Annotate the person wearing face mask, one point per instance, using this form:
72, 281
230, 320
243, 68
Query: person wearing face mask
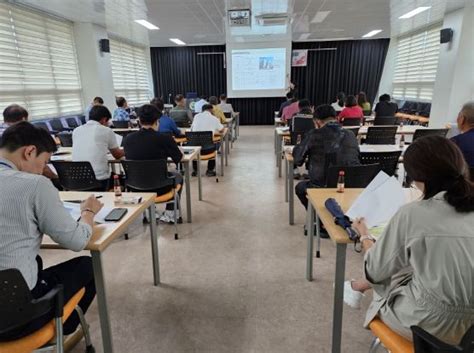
421, 269
30, 207
328, 138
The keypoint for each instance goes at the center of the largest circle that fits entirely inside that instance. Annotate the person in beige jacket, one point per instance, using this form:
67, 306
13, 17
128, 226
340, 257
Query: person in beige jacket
421, 269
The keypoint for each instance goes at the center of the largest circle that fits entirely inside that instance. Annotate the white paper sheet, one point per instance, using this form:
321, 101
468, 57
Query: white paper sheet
119, 139
379, 201
74, 210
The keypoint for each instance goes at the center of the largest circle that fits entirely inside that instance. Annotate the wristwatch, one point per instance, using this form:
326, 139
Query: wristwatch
367, 237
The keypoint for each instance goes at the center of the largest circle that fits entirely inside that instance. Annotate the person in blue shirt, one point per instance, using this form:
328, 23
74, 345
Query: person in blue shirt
120, 113
167, 124
465, 140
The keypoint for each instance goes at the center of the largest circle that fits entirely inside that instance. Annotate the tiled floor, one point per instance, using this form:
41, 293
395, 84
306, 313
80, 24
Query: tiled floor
235, 280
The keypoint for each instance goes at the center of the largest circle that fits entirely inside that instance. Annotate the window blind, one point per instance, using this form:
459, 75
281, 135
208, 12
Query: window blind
416, 65
38, 63
129, 72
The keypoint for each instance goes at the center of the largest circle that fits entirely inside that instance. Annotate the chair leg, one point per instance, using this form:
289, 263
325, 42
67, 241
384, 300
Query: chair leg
59, 335
374, 345
126, 236
175, 209
85, 329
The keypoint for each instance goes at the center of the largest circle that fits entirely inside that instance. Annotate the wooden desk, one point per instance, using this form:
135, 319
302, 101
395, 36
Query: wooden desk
65, 154
317, 213
280, 133
418, 118
401, 130
103, 235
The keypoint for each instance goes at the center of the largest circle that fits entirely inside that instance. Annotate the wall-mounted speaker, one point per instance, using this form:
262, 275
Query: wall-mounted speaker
104, 45
446, 35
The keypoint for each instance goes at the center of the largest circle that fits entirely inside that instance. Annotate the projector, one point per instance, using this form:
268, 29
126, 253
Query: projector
273, 19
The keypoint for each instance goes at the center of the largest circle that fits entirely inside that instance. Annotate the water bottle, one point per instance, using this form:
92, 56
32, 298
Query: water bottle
340, 182
117, 189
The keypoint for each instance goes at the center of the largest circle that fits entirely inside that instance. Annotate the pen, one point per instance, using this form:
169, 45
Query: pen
80, 201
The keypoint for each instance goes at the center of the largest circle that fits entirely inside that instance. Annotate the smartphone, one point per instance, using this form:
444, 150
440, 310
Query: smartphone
116, 215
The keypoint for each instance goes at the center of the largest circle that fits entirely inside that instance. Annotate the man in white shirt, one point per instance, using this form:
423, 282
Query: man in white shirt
226, 107
93, 141
205, 121
199, 104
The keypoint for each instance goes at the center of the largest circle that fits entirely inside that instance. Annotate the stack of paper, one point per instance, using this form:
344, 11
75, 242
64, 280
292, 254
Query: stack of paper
379, 201
74, 210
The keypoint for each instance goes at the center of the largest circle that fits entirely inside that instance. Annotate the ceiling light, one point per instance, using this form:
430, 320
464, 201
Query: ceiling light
372, 33
177, 41
320, 16
147, 24
415, 12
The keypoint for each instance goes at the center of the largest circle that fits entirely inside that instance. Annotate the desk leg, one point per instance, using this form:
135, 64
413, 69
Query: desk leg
226, 148
291, 193
199, 176
102, 301
309, 252
279, 152
154, 246
318, 237
238, 125
222, 156
187, 180
338, 297
275, 147
287, 168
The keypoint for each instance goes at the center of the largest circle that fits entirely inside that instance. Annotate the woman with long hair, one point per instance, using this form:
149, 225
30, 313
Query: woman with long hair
351, 110
421, 269
362, 101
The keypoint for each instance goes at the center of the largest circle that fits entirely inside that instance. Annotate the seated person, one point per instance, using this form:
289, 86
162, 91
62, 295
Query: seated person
146, 144
166, 125
121, 113
30, 207
200, 103
465, 140
92, 142
328, 138
290, 110
180, 114
338, 105
362, 101
421, 269
289, 100
351, 110
384, 107
14, 114
216, 111
205, 121
95, 101
226, 107
305, 111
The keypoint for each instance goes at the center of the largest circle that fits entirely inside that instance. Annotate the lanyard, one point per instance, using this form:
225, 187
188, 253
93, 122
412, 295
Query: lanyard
6, 165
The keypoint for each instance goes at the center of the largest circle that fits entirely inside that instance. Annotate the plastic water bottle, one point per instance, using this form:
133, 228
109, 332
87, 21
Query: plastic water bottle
117, 189
340, 182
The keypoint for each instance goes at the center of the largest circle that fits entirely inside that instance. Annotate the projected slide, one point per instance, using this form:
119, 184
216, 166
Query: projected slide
258, 69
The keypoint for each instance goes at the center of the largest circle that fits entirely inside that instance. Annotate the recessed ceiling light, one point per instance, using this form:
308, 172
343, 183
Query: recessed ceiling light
147, 24
320, 16
177, 41
415, 12
372, 33
304, 36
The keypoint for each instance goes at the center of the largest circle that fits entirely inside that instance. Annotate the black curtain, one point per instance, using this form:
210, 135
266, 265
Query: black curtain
354, 66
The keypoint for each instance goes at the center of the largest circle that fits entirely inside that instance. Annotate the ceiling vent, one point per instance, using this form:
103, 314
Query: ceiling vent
273, 19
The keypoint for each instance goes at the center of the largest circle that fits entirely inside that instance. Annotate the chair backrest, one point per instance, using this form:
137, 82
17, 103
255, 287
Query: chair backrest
424, 342
351, 122
72, 122
65, 138
149, 175
41, 125
200, 138
76, 176
299, 127
381, 135
367, 112
121, 124
228, 115
17, 306
358, 176
384, 120
82, 118
57, 125
355, 130
388, 161
429, 132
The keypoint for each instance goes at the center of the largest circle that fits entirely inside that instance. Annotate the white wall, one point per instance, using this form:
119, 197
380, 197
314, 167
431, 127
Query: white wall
455, 78
94, 66
386, 81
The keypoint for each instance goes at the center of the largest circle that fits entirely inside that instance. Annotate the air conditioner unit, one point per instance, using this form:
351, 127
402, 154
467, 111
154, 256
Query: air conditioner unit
273, 19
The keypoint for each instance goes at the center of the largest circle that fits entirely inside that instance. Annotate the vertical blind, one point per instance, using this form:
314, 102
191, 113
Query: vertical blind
38, 63
129, 72
416, 65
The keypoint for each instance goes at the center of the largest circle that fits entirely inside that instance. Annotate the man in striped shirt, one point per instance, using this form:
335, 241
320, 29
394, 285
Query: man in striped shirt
30, 207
